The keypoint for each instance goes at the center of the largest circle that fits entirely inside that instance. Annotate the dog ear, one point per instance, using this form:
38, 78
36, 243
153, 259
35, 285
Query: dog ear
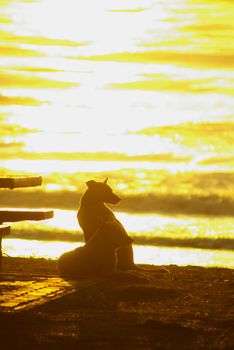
90, 183
105, 181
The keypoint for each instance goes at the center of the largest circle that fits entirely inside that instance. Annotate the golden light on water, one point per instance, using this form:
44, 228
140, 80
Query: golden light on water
142, 254
147, 226
32, 248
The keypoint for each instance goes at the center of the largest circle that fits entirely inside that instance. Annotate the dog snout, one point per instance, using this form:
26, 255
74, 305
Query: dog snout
113, 199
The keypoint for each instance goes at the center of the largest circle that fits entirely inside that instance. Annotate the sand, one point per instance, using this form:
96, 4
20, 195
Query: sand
188, 308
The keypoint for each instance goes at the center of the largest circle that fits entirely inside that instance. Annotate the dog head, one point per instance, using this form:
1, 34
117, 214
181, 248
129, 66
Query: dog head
101, 192
113, 234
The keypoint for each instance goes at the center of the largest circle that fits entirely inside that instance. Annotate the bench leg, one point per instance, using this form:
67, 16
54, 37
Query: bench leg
0, 253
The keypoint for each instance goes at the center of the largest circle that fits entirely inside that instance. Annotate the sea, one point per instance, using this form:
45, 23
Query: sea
139, 91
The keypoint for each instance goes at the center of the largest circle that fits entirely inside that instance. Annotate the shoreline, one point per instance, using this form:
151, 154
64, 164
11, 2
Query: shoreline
189, 308
143, 254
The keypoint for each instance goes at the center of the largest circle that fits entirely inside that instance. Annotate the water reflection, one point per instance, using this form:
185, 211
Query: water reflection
142, 254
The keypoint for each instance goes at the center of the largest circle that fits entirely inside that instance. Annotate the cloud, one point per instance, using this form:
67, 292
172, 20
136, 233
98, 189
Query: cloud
162, 82
10, 145
102, 156
13, 130
203, 129
208, 27
8, 37
9, 149
8, 2
218, 160
21, 81
17, 100
214, 135
34, 69
18, 52
189, 59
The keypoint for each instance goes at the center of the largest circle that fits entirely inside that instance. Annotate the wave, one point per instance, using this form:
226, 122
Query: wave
196, 204
189, 59
148, 239
166, 203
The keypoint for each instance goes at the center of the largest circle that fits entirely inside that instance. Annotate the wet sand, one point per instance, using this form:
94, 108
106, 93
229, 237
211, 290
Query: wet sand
188, 308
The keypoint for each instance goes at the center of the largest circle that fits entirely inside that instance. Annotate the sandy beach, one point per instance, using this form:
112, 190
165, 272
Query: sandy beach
188, 308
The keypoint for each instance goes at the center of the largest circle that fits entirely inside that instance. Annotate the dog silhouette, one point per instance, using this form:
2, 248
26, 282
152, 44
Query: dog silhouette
98, 256
92, 208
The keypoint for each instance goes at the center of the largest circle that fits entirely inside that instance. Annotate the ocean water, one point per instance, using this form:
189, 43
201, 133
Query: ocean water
140, 92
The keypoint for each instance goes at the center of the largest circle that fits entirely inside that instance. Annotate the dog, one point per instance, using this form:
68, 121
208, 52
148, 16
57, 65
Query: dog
92, 207
98, 256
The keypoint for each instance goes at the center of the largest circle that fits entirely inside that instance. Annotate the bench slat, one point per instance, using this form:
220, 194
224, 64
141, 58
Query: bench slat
13, 215
4, 230
20, 181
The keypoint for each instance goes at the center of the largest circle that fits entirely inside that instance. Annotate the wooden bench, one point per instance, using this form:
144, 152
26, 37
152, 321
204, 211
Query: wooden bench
14, 215
20, 181
4, 230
